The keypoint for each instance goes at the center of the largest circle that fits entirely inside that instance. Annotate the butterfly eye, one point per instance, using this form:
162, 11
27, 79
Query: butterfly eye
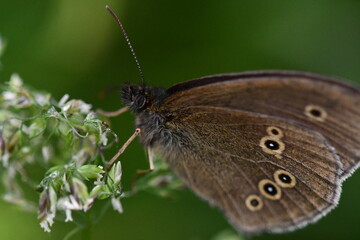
315, 112
272, 145
254, 203
284, 179
140, 101
269, 189
275, 132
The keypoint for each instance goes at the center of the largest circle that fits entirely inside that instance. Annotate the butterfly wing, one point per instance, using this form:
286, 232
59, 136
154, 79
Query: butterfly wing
327, 106
265, 173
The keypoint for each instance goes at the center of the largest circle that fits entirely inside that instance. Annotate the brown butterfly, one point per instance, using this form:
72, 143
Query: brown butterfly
269, 148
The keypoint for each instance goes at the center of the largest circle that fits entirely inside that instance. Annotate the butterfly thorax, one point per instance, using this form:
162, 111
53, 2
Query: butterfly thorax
145, 102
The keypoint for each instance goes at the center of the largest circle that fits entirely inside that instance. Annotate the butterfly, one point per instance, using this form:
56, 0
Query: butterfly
270, 149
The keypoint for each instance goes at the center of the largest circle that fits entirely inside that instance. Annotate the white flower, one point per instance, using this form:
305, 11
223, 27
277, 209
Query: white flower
74, 204
25, 150
52, 112
7, 95
54, 174
63, 100
99, 177
46, 152
90, 116
84, 107
14, 99
118, 172
53, 199
46, 225
117, 204
77, 105
48, 220
41, 99
104, 139
98, 182
88, 204
15, 80
68, 215
69, 202
65, 185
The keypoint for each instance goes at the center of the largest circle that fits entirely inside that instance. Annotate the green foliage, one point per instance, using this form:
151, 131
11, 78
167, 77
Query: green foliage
160, 182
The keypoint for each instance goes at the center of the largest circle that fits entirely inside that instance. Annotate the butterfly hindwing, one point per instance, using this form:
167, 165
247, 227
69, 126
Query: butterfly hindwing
265, 173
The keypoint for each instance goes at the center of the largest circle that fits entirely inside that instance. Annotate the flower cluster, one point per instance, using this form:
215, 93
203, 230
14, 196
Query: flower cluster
64, 188
66, 140
63, 142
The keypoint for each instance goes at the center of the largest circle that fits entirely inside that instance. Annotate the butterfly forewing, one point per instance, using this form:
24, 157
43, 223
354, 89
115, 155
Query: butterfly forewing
327, 106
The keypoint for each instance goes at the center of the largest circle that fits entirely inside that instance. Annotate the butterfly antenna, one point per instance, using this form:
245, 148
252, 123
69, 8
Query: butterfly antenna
127, 41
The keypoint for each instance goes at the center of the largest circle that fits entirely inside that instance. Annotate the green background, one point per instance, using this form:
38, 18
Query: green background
75, 47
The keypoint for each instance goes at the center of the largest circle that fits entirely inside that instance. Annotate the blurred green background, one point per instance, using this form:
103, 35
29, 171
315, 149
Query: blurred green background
75, 47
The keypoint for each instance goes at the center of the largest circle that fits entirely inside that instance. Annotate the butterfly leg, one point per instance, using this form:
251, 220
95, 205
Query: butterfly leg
112, 114
150, 155
122, 149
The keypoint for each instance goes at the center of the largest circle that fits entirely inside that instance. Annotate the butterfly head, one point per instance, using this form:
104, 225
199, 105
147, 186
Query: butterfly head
136, 97
141, 97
